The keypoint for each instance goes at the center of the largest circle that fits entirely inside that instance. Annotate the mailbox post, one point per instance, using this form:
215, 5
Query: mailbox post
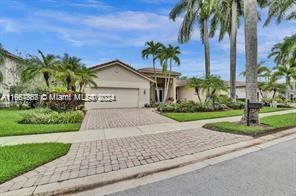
252, 106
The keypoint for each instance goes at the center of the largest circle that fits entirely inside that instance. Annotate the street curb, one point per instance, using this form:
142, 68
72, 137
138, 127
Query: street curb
208, 157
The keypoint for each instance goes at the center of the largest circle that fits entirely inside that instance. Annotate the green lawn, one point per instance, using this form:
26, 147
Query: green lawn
268, 124
18, 159
183, 117
9, 125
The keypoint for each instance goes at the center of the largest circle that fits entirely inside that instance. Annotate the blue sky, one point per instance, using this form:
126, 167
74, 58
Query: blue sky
101, 30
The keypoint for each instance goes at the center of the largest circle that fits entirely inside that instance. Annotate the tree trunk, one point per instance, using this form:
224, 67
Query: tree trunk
251, 47
155, 79
287, 88
46, 78
168, 82
233, 36
206, 48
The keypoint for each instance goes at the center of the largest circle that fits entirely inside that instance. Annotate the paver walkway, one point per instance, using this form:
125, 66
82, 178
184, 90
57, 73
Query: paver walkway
90, 158
114, 118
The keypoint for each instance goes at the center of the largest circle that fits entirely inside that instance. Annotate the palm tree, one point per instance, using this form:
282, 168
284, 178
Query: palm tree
288, 73
195, 83
168, 56
195, 11
68, 69
36, 66
215, 86
86, 77
262, 71
281, 9
284, 55
251, 45
227, 14
152, 49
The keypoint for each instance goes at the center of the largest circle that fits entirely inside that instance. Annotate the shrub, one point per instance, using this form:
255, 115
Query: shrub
236, 105
47, 116
190, 106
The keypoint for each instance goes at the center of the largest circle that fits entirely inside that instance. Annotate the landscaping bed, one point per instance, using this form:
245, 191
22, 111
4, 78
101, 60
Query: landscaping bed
10, 118
268, 124
187, 116
18, 159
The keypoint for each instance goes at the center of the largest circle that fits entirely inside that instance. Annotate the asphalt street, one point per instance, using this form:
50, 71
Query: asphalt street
271, 171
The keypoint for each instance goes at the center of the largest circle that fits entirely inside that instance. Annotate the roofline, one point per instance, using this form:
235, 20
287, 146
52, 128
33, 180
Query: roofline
107, 64
9, 54
148, 71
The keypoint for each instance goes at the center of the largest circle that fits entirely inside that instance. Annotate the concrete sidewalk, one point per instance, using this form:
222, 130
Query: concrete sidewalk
101, 134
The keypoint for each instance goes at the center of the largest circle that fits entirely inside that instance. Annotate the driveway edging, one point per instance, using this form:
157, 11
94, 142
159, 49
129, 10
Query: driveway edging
208, 157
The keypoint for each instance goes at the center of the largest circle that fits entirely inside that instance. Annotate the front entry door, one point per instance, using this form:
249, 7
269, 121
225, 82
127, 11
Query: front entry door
160, 90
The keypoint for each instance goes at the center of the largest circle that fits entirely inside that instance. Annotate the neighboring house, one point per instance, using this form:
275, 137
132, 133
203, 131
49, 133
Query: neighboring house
9, 71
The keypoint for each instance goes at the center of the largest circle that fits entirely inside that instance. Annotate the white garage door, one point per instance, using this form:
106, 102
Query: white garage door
125, 98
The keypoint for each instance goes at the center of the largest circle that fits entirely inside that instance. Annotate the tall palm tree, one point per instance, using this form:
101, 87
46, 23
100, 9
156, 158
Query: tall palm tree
40, 66
227, 14
251, 45
86, 77
280, 9
68, 69
195, 11
152, 49
168, 56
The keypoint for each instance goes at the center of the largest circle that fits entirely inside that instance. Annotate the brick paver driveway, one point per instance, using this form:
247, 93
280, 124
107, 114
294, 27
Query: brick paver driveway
102, 156
112, 118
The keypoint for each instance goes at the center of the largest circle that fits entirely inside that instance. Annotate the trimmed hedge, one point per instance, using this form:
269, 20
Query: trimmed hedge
47, 116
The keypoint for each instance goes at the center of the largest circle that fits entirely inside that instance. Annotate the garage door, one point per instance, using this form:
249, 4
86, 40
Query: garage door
125, 98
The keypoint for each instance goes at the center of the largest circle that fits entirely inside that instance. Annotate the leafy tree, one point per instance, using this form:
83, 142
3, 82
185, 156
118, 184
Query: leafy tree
227, 15
36, 66
195, 12
168, 56
152, 49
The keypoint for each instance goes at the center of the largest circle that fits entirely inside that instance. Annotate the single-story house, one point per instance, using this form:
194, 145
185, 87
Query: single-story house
136, 87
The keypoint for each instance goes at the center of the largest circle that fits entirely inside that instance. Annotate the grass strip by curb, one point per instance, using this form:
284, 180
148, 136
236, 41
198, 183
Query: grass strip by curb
269, 124
18, 159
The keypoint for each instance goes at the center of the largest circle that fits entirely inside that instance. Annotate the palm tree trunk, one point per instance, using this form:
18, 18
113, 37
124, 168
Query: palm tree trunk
168, 82
207, 51
287, 88
251, 47
46, 78
155, 79
206, 48
233, 36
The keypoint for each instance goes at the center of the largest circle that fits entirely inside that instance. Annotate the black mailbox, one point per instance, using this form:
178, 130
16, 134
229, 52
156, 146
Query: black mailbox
255, 105
252, 106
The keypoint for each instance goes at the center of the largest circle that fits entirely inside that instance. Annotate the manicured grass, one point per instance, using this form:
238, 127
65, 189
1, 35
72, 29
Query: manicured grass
183, 117
18, 159
268, 124
9, 125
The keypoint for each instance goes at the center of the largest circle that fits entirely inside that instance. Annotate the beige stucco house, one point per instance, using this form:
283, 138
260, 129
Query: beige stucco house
9, 70
136, 87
